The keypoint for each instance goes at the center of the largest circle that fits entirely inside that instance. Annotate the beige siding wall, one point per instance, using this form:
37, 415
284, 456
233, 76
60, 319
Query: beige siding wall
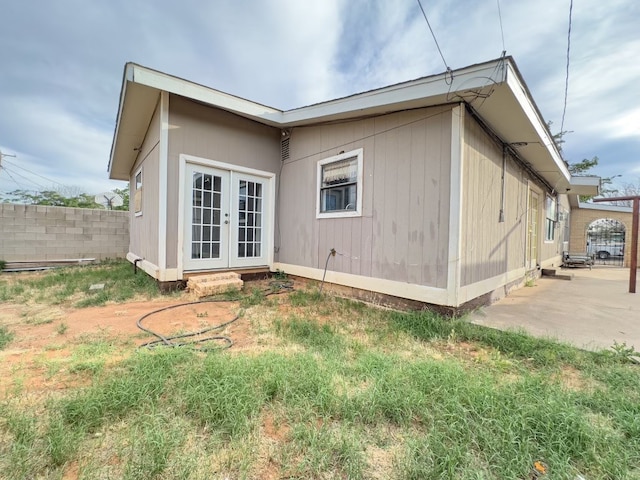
490, 247
144, 228
213, 134
402, 234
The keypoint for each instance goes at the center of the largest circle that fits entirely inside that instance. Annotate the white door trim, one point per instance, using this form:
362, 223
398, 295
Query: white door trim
531, 263
269, 230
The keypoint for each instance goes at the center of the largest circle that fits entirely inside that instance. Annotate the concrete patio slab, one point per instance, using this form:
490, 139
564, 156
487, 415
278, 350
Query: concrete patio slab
591, 311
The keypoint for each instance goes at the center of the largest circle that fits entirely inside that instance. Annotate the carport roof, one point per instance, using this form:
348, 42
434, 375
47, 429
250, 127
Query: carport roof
494, 90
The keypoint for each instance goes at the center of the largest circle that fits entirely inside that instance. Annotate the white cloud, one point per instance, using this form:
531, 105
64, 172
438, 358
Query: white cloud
61, 148
63, 62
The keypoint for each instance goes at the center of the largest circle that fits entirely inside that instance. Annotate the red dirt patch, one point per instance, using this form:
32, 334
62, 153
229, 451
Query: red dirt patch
36, 344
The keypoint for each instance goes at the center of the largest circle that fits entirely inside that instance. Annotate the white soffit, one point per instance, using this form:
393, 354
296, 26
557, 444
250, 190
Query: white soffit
136, 110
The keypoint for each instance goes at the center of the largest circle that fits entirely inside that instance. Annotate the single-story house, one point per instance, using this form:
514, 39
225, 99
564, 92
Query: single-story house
441, 190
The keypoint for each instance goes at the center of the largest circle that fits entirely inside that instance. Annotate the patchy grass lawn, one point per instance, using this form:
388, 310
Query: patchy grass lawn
322, 387
71, 285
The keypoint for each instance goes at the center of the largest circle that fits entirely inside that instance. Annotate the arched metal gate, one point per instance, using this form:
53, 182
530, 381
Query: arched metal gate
605, 240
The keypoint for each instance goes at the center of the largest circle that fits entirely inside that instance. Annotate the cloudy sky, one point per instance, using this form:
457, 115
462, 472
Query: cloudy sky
61, 65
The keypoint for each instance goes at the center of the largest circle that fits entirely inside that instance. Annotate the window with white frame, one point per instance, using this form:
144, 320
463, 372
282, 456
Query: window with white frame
551, 219
340, 185
137, 193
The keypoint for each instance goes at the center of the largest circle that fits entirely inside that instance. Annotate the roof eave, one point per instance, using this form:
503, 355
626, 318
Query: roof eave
500, 79
127, 75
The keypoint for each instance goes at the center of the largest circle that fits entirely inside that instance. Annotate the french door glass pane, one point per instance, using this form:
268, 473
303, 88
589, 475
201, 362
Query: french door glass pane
249, 218
206, 218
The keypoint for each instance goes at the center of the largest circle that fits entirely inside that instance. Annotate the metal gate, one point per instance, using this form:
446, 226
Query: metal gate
605, 240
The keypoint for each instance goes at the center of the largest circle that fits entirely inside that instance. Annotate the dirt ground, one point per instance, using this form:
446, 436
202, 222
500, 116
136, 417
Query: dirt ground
51, 334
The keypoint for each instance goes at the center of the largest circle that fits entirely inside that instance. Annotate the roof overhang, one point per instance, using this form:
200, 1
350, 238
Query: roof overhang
495, 91
587, 185
604, 207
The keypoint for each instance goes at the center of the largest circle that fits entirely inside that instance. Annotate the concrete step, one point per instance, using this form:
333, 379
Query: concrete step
552, 273
213, 276
214, 283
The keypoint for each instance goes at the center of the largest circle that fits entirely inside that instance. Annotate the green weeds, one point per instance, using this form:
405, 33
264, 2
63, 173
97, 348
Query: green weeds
310, 333
352, 390
6, 336
428, 326
71, 285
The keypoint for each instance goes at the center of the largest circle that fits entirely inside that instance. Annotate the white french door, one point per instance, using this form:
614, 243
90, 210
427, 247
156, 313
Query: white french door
225, 219
248, 214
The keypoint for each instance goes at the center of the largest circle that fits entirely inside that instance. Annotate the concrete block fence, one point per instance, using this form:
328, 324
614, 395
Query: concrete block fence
36, 232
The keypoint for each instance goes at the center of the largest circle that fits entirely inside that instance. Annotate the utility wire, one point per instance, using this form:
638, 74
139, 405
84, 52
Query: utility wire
566, 81
504, 49
22, 176
14, 180
34, 173
436, 41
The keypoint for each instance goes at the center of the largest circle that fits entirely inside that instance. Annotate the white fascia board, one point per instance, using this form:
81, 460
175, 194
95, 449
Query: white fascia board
604, 207
428, 91
526, 103
587, 185
126, 78
194, 91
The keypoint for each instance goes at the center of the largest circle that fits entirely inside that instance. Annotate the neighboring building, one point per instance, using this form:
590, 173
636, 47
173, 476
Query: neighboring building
442, 189
601, 230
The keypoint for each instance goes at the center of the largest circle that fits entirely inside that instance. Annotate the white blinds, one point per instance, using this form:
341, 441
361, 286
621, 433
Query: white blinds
343, 171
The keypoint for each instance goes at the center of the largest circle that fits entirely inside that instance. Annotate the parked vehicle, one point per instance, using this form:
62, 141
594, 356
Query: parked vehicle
606, 250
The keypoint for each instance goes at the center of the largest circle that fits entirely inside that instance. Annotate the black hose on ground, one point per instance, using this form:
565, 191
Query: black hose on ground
275, 287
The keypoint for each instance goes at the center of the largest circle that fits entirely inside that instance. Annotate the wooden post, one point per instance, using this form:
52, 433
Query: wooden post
633, 268
634, 246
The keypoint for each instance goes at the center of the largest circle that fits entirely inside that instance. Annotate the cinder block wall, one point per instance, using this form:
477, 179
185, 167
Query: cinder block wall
35, 232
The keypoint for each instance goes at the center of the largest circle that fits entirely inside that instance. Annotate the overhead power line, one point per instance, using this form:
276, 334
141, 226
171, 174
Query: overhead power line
504, 49
34, 173
424, 14
566, 80
4, 167
11, 177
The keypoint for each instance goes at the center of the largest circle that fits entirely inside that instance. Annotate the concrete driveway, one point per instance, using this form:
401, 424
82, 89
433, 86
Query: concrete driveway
591, 311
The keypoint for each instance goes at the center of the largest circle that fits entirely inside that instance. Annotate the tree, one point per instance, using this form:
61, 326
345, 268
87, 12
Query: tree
558, 138
124, 193
580, 168
51, 198
607, 188
626, 190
